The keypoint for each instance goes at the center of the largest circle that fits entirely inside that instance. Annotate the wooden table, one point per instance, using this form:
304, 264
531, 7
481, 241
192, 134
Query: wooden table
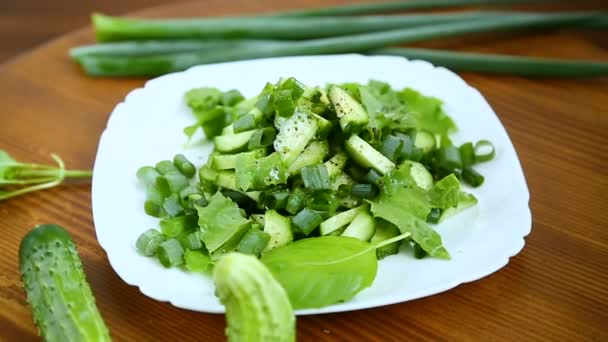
555, 289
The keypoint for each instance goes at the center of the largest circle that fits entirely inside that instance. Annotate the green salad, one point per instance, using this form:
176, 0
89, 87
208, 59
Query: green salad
318, 182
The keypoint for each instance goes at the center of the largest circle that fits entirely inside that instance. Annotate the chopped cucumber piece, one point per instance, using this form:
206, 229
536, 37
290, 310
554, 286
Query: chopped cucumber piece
228, 161
384, 231
365, 155
336, 164
362, 227
424, 141
279, 228
420, 174
314, 153
340, 220
295, 134
233, 143
351, 113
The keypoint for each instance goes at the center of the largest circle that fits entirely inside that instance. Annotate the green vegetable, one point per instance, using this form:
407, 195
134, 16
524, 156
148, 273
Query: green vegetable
502, 64
379, 7
197, 261
62, 303
279, 229
148, 242
307, 220
221, 223
351, 113
365, 155
253, 242
384, 231
407, 206
315, 177
109, 28
112, 65
321, 271
257, 307
17, 178
170, 253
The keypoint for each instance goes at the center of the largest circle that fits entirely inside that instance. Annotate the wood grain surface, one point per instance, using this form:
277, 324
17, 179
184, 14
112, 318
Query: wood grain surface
555, 289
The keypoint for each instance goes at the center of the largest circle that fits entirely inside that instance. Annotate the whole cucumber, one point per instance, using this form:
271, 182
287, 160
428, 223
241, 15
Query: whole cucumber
257, 307
62, 303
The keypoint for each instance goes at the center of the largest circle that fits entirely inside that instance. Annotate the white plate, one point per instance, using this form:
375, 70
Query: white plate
147, 127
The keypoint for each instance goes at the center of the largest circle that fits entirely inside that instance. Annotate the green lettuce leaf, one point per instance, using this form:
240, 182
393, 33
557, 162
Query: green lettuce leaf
427, 113
221, 224
445, 193
407, 206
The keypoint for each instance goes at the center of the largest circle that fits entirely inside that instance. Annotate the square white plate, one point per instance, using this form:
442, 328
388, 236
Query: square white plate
147, 127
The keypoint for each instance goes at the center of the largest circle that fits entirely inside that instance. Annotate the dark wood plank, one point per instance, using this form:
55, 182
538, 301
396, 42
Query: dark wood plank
556, 289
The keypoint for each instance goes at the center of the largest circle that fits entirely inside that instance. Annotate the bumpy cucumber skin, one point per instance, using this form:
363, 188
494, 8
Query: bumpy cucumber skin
257, 306
62, 303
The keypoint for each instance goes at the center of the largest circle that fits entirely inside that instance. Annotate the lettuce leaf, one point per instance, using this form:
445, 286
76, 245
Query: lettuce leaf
407, 206
221, 224
427, 113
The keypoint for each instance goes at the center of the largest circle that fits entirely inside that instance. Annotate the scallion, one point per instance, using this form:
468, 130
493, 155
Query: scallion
484, 151
147, 243
315, 177
307, 220
170, 253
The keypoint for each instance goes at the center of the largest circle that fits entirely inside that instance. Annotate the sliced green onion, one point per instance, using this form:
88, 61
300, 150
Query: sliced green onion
244, 123
449, 158
296, 201
472, 177
434, 215
364, 190
147, 175
265, 103
502, 64
419, 253
373, 177
195, 200
408, 150
253, 242
315, 177
185, 193
391, 147
275, 199
184, 165
165, 166
467, 154
154, 208
170, 253
192, 240
344, 190
172, 206
294, 86
307, 220
261, 138
283, 102
484, 151
148, 242
172, 181
322, 201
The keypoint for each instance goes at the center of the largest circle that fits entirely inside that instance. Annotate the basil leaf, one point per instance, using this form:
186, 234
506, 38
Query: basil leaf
321, 271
